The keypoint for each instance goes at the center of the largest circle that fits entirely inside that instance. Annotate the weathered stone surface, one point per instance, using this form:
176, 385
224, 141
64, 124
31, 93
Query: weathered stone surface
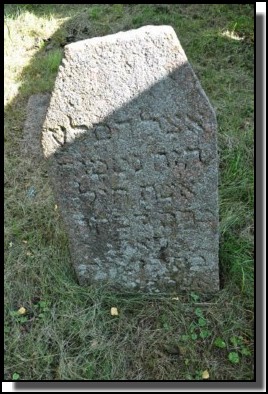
131, 138
36, 113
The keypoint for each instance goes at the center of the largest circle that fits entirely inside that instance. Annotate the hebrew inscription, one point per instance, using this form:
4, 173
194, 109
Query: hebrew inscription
131, 140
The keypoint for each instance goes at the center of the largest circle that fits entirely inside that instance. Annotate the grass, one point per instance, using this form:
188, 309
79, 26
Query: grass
67, 332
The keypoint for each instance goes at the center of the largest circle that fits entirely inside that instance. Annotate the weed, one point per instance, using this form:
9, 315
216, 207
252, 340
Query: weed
238, 344
41, 309
233, 357
199, 327
18, 318
219, 342
194, 296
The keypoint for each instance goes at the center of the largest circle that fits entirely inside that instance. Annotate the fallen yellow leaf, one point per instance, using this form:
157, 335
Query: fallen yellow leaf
205, 374
24, 241
22, 311
56, 207
175, 298
29, 254
114, 311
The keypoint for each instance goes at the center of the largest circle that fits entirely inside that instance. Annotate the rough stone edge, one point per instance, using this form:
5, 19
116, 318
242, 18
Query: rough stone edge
122, 35
37, 107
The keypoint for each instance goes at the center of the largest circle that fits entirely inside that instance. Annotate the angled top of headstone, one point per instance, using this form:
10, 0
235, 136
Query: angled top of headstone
131, 137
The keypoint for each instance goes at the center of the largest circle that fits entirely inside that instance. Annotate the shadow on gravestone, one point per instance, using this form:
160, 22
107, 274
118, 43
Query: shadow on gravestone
131, 140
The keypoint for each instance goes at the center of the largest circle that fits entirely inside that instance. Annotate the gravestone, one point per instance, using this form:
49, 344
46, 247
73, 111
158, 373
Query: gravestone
35, 116
131, 140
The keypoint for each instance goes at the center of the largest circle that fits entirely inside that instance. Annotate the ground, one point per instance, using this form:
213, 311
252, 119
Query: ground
55, 329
